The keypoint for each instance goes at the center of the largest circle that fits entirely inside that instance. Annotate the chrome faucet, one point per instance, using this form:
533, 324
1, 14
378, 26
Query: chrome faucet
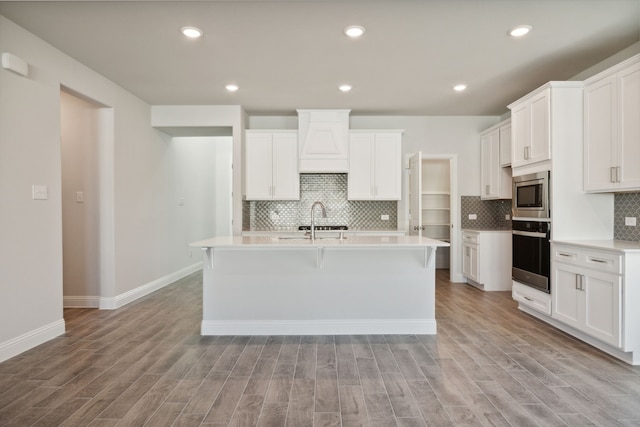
313, 219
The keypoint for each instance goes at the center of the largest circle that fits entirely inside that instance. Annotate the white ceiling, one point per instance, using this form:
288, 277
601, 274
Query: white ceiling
293, 54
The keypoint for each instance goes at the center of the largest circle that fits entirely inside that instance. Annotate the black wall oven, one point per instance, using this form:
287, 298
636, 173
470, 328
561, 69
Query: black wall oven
532, 254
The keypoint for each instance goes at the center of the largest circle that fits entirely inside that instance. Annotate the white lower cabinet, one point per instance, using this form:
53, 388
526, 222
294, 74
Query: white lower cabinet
595, 291
588, 300
486, 259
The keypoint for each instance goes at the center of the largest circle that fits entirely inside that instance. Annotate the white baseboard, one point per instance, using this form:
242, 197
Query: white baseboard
31, 339
81, 302
112, 303
320, 327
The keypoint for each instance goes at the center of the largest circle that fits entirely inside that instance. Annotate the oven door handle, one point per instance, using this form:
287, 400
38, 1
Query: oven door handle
529, 233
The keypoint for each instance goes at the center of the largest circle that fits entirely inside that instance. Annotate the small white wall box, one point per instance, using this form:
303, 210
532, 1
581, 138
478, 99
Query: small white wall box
15, 64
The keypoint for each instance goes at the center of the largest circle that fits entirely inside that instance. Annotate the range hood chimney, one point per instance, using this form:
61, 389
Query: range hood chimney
323, 141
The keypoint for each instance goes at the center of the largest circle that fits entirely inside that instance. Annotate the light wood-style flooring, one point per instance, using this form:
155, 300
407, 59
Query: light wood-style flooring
146, 364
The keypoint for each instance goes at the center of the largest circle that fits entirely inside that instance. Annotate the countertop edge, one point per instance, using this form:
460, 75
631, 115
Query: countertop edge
620, 246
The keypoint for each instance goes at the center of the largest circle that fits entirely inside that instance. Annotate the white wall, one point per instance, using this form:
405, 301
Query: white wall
80, 221
136, 184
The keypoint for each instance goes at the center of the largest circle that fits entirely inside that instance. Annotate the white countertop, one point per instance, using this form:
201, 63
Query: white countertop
350, 231
609, 245
348, 242
485, 230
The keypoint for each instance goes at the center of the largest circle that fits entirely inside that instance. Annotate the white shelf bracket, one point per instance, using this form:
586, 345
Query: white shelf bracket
208, 256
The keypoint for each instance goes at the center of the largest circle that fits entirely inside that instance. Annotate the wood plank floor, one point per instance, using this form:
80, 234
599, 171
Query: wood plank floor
146, 364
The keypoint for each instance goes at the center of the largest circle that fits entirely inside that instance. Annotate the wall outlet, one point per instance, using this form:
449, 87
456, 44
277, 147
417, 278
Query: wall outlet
384, 217
507, 217
39, 192
473, 217
79, 197
630, 221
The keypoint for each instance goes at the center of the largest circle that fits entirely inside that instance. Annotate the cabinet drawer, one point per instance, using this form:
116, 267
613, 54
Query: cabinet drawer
607, 262
532, 298
568, 255
470, 237
603, 261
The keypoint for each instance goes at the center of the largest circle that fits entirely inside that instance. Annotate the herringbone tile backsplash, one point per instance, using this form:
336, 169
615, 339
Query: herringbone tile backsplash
331, 190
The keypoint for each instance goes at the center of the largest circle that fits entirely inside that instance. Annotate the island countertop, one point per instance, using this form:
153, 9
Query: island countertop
324, 242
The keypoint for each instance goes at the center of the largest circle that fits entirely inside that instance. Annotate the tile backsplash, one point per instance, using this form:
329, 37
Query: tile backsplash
490, 213
331, 190
626, 205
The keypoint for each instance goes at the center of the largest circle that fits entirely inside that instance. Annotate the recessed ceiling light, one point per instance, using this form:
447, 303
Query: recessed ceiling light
191, 32
520, 30
232, 87
344, 88
354, 31
459, 87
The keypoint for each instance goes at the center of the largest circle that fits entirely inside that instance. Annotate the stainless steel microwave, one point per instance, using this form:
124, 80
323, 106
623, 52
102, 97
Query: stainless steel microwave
531, 195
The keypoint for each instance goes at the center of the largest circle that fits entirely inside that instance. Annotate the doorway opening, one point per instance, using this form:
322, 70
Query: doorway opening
86, 133
433, 204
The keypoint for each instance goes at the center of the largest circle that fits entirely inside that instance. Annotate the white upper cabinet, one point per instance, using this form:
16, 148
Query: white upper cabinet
271, 165
530, 129
323, 140
612, 129
495, 180
505, 143
375, 165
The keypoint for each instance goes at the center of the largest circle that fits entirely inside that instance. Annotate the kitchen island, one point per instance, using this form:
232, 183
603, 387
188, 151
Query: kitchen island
261, 285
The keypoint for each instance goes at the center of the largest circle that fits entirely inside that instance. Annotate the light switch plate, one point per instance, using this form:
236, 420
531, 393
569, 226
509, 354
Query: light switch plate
384, 217
39, 192
630, 221
79, 197
473, 216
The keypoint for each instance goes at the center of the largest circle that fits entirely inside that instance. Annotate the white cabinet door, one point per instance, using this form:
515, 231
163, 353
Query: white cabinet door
490, 165
531, 130
540, 142
360, 184
258, 166
375, 166
271, 166
286, 180
602, 301
505, 145
566, 292
600, 135
612, 131
495, 180
470, 261
520, 135
629, 127
388, 166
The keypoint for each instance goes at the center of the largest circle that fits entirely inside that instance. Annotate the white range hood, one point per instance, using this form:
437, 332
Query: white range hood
323, 141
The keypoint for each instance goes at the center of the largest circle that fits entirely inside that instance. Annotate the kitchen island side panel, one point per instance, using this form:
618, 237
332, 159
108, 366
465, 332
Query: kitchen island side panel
319, 290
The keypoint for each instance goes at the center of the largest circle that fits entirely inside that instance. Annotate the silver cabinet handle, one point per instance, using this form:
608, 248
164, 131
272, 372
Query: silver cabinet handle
612, 174
617, 173
486, 190
577, 281
601, 261
526, 153
528, 299
561, 254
